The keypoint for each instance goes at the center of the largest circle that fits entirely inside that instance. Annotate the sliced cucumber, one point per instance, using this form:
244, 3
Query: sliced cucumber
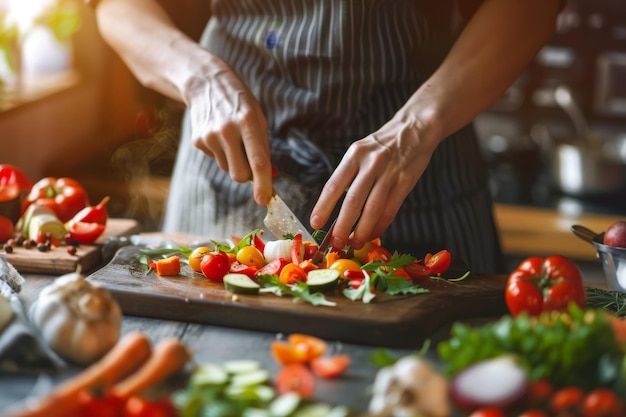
258, 377
240, 284
241, 366
284, 405
209, 374
313, 410
255, 412
322, 279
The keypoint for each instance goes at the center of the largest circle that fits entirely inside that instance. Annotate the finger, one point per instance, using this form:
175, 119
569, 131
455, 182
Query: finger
258, 153
331, 193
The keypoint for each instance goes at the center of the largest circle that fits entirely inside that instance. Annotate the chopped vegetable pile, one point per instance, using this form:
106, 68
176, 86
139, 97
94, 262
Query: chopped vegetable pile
284, 267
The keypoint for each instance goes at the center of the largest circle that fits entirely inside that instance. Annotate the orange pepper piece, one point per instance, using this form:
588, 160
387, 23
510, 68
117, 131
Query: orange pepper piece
167, 266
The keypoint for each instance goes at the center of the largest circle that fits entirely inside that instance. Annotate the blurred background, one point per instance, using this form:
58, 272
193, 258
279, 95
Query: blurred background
555, 142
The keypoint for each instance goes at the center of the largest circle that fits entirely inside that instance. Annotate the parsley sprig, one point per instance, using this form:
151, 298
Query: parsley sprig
380, 276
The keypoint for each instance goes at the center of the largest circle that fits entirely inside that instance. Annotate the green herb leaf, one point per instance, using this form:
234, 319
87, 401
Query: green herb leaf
397, 261
299, 291
144, 261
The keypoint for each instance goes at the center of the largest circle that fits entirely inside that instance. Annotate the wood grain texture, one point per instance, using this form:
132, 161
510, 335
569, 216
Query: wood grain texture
58, 261
393, 321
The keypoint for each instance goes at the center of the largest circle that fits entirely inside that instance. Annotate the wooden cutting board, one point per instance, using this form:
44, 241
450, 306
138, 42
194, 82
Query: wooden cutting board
58, 261
392, 321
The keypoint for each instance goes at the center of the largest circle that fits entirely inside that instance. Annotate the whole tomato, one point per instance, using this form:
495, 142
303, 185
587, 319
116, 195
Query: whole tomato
544, 284
12, 182
65, 196
215, 265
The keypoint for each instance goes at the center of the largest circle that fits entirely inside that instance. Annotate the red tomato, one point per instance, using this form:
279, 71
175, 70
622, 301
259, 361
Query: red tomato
140, 407
402, 273
534, 413
488, 412
295, 378
240, 268
258, 242
7, 229
310, 249
379, 254
566, 399
539, 393
330, 366
602, 402
417, 270
439, 262
12, 182
94, 405
297, 252
215, 265
86, 233
65, 196
273, 268
540, 284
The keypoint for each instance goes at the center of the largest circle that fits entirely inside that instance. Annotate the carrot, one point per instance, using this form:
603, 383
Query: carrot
168, 266
168, 358
128, 354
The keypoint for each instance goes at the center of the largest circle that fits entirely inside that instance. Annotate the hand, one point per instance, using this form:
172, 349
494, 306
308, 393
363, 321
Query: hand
227, 124
378, 173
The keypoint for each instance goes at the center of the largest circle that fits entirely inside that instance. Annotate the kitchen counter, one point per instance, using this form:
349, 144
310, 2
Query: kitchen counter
527, 230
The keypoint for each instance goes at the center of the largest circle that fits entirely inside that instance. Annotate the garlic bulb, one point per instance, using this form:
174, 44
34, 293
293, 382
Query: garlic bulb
410, 387
78, 320
276, 249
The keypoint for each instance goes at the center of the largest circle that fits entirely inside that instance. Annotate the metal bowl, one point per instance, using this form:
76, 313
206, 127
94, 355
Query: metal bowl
613, 259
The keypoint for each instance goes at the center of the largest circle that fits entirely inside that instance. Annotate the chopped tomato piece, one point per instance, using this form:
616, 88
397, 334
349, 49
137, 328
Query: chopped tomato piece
86, 233
439, 262
240, 268
313, 346
297, 252
286, 354
273, 268
307, 265
292, 273
295, 378
330, 366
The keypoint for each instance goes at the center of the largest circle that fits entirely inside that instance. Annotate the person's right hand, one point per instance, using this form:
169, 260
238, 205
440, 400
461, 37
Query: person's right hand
227, 124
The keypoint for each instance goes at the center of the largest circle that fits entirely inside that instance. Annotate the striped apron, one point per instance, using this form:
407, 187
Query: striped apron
327, 73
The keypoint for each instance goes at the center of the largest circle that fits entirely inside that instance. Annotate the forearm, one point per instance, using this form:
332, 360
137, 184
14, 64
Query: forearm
160, 55
492, 51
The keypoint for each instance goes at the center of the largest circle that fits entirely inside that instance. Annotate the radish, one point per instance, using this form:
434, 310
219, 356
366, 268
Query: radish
497, 382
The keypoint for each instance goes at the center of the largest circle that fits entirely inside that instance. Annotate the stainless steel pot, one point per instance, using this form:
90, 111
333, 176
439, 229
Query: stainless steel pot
584, 170
585, 164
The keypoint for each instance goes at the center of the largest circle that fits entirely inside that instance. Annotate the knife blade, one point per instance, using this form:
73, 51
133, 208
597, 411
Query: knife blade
281, 220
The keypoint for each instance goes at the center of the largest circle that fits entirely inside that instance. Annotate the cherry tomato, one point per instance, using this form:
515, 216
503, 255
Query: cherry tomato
94, 404
292, 273
417, 270
330, 366
539, 393
273, 268
439, 262
65, 196
540, 284
7, 229
295, 378
240, 268
602, 402
566, 400
86, 233
488, 412
140, 407
343, 265
378, 254
361, 254
534, 413
250, 256
402, 273
195, 258
310, 249
215, 265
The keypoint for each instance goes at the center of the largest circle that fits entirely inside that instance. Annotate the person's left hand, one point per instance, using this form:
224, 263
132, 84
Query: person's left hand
378, 173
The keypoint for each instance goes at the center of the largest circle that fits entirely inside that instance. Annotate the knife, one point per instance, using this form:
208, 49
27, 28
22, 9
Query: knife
280, 220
